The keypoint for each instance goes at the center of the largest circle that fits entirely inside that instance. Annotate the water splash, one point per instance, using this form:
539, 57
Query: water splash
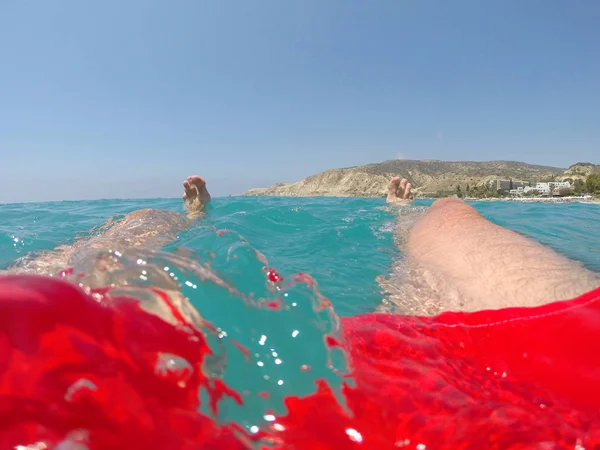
173, 368
270, 336
81, 388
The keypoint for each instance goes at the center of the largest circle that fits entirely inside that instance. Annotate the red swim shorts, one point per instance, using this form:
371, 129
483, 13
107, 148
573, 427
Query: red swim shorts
110, 375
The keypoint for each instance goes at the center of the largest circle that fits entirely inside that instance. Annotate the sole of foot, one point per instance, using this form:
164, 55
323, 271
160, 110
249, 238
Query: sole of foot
399, 191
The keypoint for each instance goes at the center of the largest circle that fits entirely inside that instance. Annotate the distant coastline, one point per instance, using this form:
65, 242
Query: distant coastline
433, 179
574, 199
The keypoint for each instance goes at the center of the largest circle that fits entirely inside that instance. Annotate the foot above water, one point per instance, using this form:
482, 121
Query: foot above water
399, 191
195, 194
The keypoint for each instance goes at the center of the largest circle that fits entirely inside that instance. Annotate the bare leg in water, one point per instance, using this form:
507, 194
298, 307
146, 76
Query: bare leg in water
458, 260
145, 228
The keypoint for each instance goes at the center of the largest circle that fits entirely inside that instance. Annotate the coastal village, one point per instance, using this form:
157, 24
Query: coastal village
539, 189
543, 188
471, 180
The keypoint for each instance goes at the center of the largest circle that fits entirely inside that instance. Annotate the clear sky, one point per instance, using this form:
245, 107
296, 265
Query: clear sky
124, 98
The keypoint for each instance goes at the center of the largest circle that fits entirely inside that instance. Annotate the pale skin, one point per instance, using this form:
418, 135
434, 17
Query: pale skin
455, 259
144, 228
468, 263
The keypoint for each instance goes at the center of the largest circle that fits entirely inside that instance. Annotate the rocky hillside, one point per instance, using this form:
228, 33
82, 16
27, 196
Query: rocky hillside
580, 171
428, 177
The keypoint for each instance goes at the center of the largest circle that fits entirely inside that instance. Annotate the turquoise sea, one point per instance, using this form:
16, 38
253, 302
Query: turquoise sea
342, 243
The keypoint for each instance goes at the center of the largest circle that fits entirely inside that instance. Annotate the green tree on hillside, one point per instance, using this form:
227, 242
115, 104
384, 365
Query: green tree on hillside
579, 186
592, 183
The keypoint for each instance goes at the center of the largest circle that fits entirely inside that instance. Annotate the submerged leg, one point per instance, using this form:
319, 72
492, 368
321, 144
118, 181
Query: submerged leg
147, 228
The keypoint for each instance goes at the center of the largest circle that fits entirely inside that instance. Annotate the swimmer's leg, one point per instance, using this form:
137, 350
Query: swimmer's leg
147, 228
408, 289
153, 228
400, 198
486, 266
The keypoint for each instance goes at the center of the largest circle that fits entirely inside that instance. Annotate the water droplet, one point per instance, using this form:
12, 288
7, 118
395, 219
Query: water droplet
173, 368
295, 333
269, 417
354, 435
81, 388
221, 333
277, 361
37, 446
75, 440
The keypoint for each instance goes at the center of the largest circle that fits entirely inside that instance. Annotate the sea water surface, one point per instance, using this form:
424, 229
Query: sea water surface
343, 244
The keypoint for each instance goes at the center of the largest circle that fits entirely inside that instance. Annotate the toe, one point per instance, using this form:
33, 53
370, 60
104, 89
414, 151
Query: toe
190, 190
198, 181
407, 191
402, 188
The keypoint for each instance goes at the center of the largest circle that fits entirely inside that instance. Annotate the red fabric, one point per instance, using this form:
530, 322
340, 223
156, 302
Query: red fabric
517, 377
512, 378
69, 363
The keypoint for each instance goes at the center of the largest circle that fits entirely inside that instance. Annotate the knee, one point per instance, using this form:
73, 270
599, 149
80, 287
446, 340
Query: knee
447, 220
452, 209
448, 202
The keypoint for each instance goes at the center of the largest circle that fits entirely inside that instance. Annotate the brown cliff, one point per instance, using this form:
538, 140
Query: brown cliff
427, 177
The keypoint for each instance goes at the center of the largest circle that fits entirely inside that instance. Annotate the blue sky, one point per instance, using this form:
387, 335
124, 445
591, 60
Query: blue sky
124, 99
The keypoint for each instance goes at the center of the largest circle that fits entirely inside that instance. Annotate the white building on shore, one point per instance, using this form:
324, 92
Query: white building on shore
551, 187
522, 187
506, 185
